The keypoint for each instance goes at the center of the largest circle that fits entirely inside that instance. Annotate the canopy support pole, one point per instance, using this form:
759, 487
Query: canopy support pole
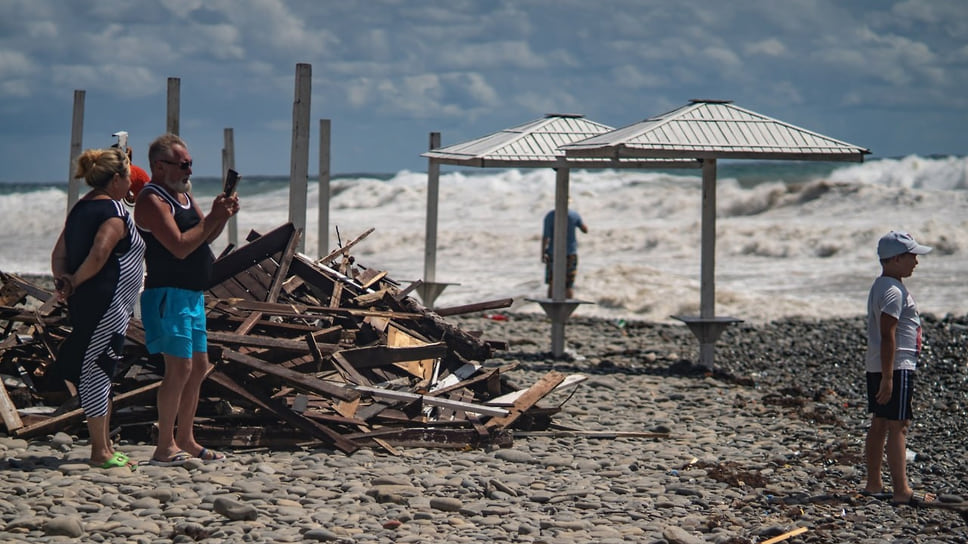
430, 288
558, 307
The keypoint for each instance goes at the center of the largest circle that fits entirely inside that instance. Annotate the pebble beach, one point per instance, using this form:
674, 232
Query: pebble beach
652, 449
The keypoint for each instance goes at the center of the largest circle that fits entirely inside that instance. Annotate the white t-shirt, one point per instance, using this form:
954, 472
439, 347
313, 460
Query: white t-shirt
890, 296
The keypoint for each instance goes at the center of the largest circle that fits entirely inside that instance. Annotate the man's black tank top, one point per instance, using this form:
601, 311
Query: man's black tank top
164, 269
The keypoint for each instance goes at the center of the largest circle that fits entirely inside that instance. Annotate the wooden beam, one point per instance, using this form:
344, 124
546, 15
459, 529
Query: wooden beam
294, 378
275, 286
336, 298
313, 428
377, 356
11, 419
432, 401
476, 307
510, 398
304, 311
57, 423
529, 398
270, 342
345, 249
256, 250
370, 277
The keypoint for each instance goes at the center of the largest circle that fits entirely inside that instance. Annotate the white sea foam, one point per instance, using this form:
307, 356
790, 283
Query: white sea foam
783, 248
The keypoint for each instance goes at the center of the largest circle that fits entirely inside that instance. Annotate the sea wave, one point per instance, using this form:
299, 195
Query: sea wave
791, 238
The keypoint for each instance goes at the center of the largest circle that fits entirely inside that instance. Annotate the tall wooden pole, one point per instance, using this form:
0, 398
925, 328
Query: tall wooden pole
228, 161
299, 157
322, 243
77, 136
174, 105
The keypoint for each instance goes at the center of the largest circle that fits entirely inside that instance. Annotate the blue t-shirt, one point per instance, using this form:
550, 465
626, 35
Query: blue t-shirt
574, 220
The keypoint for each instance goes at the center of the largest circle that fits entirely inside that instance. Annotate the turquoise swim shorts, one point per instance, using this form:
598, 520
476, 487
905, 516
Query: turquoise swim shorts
174, 321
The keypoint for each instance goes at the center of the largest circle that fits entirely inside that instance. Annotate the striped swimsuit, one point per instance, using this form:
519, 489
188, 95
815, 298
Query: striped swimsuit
101, 307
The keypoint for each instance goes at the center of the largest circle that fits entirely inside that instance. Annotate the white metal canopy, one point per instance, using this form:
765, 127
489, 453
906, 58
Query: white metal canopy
714, 129
535, 144
708, 130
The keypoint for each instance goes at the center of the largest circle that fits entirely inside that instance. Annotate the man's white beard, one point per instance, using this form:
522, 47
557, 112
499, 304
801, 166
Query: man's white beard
180, 186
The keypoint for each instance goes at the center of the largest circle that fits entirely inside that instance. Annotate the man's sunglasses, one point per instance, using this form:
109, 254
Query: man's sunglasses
184, 165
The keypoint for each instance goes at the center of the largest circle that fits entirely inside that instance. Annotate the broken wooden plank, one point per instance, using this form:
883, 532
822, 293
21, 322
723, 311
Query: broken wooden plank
304, 311
11, 419
275, 286
298, 379
313, 428
408, 289
370, 276
268, 342
476, 307
344, 250
510, 398
432, 401
38, 293
247, 435
433, 325
336, 298
56, 423
377, 356
256, 250
481, 376
529, 398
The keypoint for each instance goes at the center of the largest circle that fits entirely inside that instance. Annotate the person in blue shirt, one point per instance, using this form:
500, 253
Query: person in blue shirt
547, 249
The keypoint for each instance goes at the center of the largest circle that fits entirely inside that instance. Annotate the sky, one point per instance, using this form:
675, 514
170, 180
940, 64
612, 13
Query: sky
890, 76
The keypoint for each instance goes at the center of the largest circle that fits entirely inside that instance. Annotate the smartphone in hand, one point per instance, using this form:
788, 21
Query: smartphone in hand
231, 181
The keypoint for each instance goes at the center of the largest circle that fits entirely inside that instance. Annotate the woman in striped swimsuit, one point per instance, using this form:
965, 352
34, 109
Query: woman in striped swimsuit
98, 269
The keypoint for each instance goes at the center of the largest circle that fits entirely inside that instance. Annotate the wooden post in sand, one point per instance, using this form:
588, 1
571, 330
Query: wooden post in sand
173, 113
299, 156
77, 135
324, 175
228, 161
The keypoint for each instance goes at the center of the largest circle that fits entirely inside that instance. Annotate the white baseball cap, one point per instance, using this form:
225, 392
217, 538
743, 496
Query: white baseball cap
897, 243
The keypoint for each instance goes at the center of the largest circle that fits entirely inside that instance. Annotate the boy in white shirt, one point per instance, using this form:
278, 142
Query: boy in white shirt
893, 344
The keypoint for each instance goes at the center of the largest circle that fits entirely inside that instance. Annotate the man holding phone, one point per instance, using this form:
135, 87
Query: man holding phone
178, 259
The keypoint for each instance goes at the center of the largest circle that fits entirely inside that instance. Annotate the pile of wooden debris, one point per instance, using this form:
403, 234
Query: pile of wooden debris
306, 352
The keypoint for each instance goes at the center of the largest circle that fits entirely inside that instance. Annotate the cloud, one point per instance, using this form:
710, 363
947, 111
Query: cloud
550, 101
722, 57
108, 78
770, 47
632, 77
424, 95
504, 54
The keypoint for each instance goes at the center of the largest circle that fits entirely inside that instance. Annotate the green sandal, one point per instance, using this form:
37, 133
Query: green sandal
118, 460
